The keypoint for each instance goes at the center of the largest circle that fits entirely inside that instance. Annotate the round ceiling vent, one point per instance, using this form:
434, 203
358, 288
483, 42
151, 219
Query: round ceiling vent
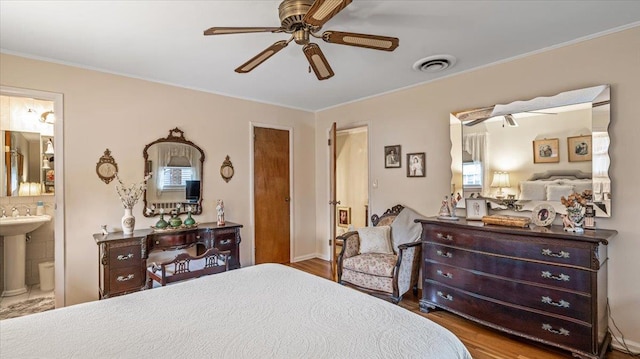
434, 63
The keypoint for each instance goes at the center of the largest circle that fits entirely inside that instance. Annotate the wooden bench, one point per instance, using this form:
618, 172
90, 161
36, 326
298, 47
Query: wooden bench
185, 266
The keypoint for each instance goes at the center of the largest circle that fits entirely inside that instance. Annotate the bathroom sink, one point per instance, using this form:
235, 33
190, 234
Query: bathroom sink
13, 226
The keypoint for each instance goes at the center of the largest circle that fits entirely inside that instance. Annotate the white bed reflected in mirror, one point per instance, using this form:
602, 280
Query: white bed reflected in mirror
535, 151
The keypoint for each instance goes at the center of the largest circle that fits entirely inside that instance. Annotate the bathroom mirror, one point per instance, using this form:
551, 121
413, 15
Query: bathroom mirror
535, 151
26, 137
175, 168
27, 166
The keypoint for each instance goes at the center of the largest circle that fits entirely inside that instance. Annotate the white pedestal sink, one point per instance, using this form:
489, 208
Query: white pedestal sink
14, 231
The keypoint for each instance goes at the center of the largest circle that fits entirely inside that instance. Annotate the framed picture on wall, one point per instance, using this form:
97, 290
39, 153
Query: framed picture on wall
392, 156
476, 208
579, 148
343, 216
546, 151
416, 164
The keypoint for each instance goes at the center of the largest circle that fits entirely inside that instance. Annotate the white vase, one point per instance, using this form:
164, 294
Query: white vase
128, 221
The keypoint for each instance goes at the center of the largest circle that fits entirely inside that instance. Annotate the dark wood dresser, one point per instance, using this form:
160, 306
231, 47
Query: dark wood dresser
123, 257
542, 283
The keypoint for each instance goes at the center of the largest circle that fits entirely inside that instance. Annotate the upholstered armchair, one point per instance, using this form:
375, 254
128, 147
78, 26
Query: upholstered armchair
384, 272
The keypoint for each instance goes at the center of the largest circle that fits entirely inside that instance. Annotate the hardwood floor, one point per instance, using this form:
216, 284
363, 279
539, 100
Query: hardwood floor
482, 342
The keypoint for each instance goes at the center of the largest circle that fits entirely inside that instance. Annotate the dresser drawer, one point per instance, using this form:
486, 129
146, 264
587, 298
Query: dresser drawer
519, 270
126, 279
225, 240
124, 256
569, 304
518, 321
529, 247
172, 240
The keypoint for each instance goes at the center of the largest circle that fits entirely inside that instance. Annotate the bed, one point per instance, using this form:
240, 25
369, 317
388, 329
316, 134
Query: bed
266, 311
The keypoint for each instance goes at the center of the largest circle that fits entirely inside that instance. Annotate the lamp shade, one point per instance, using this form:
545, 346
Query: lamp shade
500, 180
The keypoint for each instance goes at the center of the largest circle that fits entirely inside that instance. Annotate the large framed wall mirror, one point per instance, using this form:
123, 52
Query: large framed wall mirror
175, 167
535, 151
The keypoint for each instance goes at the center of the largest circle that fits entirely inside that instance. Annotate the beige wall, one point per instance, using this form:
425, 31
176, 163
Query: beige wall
418, 119
123, 114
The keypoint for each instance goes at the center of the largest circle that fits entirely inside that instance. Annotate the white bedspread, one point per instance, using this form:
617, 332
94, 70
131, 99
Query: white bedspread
263, 311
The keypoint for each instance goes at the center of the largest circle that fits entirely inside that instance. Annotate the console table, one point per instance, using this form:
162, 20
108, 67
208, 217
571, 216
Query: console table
123, 257
540, 283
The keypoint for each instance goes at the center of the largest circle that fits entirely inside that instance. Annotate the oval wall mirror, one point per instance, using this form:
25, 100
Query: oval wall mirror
175, 185
525, 153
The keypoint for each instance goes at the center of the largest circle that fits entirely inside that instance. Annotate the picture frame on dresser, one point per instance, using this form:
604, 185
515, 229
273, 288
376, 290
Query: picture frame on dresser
476, 208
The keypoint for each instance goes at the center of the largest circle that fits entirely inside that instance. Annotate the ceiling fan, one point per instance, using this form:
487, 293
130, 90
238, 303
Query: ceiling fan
304, 19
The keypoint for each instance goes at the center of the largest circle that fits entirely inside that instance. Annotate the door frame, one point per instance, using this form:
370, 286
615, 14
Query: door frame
340, 128
252, 219
58, 144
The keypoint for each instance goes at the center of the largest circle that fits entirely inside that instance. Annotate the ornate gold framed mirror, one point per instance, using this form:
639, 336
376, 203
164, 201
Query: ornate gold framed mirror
175, 166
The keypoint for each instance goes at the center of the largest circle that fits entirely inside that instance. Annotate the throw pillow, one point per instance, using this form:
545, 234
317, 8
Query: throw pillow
375, 240
404, 229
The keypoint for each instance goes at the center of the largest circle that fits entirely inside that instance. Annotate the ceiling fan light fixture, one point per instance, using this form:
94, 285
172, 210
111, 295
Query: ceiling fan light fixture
434, 63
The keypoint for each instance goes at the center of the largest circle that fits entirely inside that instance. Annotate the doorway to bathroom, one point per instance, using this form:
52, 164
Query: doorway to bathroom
32, 177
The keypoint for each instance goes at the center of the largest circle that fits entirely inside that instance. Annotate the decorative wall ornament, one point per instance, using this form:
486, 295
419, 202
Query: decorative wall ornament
106, 168
226, 170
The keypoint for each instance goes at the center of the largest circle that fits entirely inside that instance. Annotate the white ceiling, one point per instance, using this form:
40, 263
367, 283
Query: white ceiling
162, 41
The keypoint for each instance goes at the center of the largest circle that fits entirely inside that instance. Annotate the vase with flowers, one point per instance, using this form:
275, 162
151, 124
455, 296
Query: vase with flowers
129, 195
575, 203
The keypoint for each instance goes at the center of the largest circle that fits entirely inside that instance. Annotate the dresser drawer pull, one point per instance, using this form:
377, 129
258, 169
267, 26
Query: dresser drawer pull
448, 237
443, 274
197, 237
225, 241
550, 329
561, 277
549, 253
447, 297
561, 303
444, 254
124, 258
122, 278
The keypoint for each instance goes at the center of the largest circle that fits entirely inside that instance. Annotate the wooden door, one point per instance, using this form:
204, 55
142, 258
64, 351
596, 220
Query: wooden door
332, 200
271, 195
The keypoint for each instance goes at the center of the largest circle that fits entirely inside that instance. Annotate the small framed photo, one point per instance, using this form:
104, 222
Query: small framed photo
579, 148
546, 151
476, 208
343, 216
392, 157
416, 164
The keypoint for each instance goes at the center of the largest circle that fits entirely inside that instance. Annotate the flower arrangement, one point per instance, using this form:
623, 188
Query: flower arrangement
131, 194
576, 201
575, 204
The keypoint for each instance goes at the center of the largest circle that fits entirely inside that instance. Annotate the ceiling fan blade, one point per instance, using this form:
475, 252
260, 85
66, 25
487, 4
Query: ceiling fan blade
262, 57
239, 30
323, 10
375, 42
317, 61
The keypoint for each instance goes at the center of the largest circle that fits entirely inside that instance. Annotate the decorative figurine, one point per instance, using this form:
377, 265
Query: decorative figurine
220, 209
448, 208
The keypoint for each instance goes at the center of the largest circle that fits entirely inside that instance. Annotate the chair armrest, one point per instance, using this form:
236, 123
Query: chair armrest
404, 246
350, 244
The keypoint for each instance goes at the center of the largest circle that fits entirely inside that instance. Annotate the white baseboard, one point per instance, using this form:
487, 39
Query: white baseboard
305, 257
631, 345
